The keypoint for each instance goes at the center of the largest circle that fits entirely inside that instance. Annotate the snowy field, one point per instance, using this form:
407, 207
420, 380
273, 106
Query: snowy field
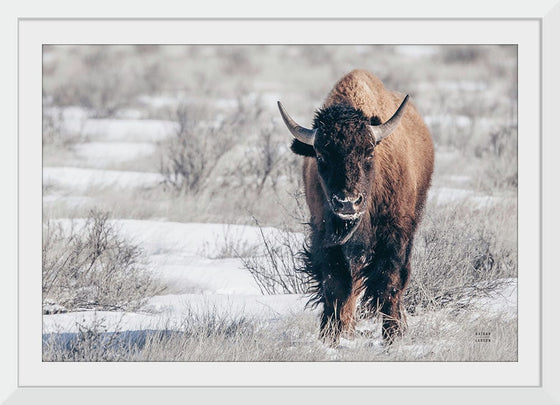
196, 245
178, 255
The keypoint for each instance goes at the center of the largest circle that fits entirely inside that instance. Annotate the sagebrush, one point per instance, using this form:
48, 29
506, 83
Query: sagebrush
91, 266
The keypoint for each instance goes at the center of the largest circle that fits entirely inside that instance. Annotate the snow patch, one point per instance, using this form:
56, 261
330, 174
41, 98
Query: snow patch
459, 121
458, 179
172, 311
223, 276
181, 254
69, 200
101, 154
450, 195
458, 86
128, 130
446, 195
79, 179
417, 51
500, 301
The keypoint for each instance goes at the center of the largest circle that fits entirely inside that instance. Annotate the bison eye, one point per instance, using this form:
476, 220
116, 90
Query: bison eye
321, 162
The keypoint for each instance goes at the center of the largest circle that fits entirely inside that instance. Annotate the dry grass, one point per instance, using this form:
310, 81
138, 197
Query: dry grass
93, 267
275, 269
435, 336
461, 252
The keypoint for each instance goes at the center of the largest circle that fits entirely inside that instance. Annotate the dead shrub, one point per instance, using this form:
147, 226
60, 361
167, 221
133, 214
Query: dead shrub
93, 267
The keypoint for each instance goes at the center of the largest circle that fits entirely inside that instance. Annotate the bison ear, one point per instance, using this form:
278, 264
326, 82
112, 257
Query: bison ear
300, 148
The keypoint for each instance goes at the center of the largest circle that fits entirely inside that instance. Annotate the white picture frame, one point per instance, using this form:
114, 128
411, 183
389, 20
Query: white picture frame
536, 385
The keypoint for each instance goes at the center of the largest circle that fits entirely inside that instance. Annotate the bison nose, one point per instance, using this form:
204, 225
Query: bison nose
346, 205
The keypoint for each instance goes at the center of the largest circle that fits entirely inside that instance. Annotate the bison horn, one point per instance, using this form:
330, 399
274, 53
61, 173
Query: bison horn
379, 132
302, 134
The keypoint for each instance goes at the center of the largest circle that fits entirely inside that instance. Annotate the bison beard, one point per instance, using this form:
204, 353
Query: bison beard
339, 231
363, 262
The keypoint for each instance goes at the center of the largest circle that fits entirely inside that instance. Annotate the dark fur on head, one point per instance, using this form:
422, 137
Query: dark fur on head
339, 117
329, 120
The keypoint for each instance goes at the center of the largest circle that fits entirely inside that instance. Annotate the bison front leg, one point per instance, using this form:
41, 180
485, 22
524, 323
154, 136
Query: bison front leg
339, 298
394, 317
385, 288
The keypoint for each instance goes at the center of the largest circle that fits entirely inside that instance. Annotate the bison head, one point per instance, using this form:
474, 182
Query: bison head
343, 142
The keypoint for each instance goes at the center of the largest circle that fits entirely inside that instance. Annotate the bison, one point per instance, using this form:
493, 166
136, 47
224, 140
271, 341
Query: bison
367, 169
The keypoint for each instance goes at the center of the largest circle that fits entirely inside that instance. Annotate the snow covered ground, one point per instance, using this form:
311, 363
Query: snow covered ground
102, 154
81, 179
181, 255
136, 130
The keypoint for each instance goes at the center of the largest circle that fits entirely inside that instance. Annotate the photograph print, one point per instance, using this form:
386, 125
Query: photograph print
279, 203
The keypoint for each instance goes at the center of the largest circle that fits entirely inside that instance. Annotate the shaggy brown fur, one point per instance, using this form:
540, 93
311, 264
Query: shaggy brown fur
366, 259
